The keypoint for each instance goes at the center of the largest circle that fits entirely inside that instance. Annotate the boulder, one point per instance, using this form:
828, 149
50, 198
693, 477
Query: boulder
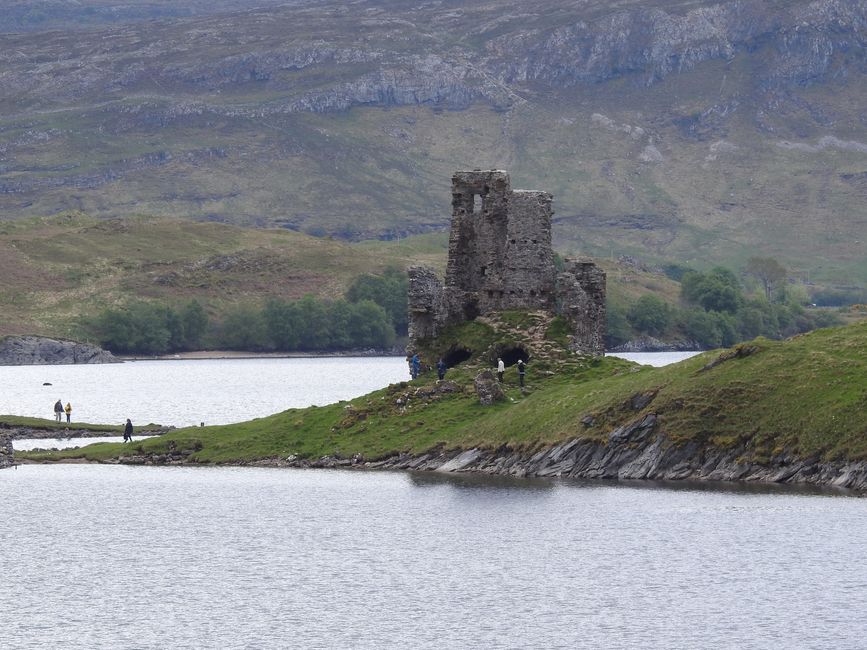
488, 388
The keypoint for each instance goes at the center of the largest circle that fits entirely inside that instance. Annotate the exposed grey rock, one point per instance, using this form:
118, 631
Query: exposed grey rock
488, 388
638, 450
36, 350
7, 454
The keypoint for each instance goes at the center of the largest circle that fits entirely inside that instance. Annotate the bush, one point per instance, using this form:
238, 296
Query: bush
649, 315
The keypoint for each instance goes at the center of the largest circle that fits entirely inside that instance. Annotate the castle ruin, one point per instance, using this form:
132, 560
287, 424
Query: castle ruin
500, 258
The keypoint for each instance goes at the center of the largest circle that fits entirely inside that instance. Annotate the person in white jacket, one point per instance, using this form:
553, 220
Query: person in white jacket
501, 368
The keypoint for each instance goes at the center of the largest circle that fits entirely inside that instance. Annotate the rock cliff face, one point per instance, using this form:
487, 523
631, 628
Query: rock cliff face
637, 451
36, 350
648, 120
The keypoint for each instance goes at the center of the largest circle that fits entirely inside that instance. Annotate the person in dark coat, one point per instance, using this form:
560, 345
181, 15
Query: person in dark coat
58, 410
441, 369
522, 370
127, 431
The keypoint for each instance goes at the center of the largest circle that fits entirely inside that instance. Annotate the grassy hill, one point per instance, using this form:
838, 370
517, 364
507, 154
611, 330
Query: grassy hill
57, 270
699, 131
804, 397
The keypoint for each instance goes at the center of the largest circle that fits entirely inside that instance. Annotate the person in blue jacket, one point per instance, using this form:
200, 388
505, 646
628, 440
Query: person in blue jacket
441, 369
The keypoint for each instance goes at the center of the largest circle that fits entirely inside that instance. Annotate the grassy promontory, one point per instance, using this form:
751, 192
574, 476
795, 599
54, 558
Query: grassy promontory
805, 397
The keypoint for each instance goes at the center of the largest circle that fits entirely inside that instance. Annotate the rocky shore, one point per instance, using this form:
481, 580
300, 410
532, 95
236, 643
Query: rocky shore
37, 350
636, 451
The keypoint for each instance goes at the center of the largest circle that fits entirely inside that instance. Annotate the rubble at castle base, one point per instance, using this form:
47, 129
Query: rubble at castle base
500, 258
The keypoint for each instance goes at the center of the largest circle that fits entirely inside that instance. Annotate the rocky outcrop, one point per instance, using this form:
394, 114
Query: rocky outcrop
7, 455
37, 350
488, 388
638, 450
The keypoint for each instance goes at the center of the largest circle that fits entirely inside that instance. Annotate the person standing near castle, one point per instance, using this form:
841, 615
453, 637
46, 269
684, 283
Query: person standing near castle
58, 410
127, 431
68, 410
414, 366
522, 370
501, 368
441, 369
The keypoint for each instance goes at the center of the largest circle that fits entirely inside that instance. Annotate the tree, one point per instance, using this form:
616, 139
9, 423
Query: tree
195, 324
243, 328
649, 315
717, 290
388, 291
768, 272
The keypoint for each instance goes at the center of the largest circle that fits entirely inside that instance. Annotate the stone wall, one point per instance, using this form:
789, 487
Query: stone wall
7, 456
500, 258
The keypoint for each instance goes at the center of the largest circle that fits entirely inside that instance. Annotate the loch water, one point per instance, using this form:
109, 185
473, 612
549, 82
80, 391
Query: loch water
99, 556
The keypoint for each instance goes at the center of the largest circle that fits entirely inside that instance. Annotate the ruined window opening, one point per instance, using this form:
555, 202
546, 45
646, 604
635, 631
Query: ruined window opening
511, 241
534, 241
471, 310
532, 292
478, 203
490, 293
484, 270
456, 355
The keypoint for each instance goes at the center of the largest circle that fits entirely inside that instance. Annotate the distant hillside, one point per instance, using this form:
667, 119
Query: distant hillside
56, 270
680, 129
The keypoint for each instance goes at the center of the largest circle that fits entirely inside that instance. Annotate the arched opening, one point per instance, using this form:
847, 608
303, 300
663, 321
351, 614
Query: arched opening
511, 355
456, 355
471, 310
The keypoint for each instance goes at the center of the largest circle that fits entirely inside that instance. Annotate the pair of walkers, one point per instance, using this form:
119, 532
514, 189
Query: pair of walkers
522, 370
415, 367
60, 409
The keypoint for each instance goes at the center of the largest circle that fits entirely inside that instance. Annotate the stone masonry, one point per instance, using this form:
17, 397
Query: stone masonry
500, 258
7, 455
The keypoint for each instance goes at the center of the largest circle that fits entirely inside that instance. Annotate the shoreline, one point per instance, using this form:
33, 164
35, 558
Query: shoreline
635, 452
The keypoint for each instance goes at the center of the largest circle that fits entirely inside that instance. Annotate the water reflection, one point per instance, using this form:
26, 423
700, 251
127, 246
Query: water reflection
479, 481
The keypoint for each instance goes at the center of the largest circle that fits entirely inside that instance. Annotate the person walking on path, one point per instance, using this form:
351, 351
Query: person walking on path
68, 411
58, 410
414, 366
127, 431
501, 368
441, 369
522, 370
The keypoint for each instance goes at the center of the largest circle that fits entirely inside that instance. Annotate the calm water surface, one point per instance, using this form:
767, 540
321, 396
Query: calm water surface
187, 392
135, 557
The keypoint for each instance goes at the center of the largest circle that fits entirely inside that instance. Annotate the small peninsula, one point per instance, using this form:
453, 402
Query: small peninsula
770, 411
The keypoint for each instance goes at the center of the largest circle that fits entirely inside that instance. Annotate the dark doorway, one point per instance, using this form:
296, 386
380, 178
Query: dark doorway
510, 356
456, 355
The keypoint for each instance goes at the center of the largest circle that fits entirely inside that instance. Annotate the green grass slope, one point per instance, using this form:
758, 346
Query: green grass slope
807, 395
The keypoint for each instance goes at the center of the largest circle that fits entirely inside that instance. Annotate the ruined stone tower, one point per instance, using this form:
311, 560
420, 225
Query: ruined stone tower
500, 258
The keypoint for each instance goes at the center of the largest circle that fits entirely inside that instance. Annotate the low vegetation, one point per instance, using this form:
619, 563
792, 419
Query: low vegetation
806, 395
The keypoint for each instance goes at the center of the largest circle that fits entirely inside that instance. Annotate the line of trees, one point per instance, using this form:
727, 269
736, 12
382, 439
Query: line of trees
372, 315
716, 309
